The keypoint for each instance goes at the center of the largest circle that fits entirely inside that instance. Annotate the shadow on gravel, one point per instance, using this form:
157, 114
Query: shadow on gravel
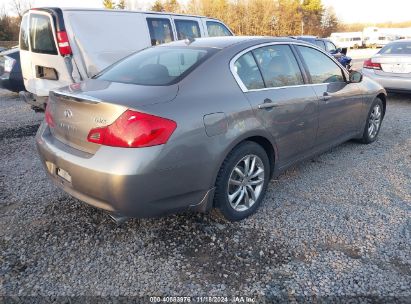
19, 132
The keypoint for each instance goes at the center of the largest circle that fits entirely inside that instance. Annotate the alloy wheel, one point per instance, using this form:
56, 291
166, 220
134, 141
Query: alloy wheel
246, 182
374, 121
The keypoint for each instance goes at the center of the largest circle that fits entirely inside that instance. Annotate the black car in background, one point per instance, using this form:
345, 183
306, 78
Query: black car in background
325, 44
11, 77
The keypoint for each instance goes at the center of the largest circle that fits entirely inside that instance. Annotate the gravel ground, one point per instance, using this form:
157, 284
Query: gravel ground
338, 226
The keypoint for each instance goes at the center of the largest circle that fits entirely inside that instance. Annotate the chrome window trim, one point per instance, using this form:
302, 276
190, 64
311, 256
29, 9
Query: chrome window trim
244, 88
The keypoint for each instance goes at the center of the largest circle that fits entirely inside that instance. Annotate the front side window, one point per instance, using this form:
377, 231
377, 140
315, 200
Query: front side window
157, 66
321, 68
24, 34
160, 30
216, 29
278, 66
330, 46
41, 35
247, 69
187, 29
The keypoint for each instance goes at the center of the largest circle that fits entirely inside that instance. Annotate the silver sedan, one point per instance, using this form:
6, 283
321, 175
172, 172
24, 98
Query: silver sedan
391, 66
202, 124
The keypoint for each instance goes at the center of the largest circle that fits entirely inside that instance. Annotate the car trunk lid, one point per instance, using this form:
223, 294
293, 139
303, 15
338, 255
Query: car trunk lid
80, 107
393, 65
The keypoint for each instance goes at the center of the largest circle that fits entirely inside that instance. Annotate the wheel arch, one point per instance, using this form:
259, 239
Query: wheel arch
383, 98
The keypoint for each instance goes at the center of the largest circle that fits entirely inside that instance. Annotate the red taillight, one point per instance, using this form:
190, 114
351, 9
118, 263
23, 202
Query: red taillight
134, 130
63, 43
368, 64
48, 117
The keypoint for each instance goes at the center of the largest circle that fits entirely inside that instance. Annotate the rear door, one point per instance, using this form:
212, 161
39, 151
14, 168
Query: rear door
341, 103
187, 27
43, 67
272, 80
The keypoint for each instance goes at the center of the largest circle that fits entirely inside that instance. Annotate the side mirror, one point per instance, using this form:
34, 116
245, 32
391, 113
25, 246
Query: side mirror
344, 51
355, 77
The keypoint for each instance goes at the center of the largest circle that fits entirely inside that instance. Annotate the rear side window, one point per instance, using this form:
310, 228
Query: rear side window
24, 34
278, 66
321, 68
216, 29
187, 29
397, 48
160, 30
157, 66
41, 35
247, 69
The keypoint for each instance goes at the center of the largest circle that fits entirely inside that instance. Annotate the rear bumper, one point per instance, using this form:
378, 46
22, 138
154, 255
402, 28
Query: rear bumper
390, 83
120, 180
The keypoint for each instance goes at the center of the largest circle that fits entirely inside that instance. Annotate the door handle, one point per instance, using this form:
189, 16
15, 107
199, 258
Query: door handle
268, 103
326, 96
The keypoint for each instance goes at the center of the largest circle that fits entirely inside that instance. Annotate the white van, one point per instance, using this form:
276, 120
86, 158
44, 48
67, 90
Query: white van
60, 46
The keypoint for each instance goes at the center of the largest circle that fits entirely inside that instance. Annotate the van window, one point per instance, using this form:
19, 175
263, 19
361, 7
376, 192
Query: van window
187, 29
160, 30
156, 66
246, 68
41, 35
24, 34
278, 66
216, 29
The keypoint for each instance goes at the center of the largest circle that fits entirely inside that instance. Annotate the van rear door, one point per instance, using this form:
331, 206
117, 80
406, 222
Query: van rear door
43, 65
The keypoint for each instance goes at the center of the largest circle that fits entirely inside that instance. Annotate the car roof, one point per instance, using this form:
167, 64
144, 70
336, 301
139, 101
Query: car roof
120, 11
226, 41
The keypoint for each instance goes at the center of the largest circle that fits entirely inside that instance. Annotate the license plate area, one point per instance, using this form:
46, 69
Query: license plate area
397, 68
63, 174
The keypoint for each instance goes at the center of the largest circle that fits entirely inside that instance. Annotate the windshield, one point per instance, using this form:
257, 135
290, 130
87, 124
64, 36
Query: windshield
156, 66
397, 48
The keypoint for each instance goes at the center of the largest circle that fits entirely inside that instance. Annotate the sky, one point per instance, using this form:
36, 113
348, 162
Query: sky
349, 11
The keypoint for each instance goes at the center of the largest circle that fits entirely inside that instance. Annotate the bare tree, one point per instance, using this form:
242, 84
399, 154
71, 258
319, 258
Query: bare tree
20, 6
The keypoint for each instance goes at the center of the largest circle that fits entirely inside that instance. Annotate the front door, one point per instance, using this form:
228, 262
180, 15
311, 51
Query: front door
341, 102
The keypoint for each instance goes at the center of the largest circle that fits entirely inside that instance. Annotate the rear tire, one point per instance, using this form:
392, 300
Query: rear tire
373, 123
242, 181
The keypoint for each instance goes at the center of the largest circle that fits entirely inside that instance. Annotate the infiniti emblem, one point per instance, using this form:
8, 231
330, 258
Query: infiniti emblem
68, 113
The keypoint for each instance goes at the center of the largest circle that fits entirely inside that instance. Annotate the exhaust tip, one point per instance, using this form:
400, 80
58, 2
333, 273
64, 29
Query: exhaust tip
118, 219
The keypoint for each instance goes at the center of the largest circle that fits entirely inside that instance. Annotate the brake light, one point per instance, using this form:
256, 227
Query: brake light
134, 130
368, 64
48, 117
63, 43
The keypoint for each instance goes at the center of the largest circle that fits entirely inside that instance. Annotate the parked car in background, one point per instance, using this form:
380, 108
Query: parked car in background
60, 46
391, 66
11, 77
329, 46
223, 114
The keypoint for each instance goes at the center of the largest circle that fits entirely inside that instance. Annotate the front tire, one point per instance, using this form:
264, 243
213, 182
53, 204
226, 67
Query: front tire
242, 181
373, 123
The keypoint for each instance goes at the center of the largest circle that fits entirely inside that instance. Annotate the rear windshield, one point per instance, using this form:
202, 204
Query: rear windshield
41, 35
397, 48
156, 65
